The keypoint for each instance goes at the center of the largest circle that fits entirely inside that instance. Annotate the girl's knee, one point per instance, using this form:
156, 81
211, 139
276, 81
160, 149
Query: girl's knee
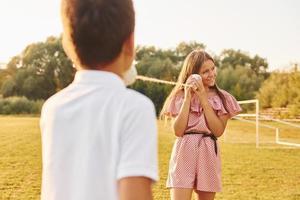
202, 195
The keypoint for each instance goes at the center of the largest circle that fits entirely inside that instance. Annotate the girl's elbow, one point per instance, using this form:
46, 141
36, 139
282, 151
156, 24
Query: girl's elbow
219, 133
178, 132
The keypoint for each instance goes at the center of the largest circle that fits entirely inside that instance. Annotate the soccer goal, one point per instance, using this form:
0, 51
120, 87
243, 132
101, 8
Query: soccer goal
266, 130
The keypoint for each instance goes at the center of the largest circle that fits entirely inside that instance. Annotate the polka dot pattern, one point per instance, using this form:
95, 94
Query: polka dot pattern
194, 164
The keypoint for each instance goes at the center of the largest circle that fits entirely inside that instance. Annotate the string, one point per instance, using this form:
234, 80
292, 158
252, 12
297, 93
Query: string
145, 78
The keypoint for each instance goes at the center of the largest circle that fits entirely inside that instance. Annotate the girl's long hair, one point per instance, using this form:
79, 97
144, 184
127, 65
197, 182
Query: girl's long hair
191, 65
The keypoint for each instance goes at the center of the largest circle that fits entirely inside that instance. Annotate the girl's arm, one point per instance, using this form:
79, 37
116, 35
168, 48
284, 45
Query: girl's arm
216, 124
181, 120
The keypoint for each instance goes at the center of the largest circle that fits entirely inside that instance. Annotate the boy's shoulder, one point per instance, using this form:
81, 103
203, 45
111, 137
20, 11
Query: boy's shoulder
56, 98
135, 98
128, 99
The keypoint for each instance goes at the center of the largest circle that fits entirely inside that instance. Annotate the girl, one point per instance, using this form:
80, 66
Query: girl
201, 111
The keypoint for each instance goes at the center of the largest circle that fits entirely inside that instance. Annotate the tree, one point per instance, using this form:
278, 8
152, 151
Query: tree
183, 48
41, 70
156, 63
281, 89
233, 58
8, 88
10, 70
240, 81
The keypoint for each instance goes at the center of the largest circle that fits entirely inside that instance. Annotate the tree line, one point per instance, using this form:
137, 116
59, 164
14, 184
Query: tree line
43, 68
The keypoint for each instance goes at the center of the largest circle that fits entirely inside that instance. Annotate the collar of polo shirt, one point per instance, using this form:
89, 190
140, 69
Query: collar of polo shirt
97, 76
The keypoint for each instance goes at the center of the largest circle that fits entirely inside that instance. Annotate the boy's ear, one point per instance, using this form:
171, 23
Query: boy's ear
128, 46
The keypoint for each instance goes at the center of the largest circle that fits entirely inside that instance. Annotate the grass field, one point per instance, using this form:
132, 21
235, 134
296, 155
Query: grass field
269, 172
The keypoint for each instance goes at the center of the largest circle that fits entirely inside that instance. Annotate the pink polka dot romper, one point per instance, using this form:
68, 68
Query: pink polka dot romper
195, 160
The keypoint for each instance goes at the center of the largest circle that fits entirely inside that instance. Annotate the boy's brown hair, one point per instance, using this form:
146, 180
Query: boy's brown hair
97, 29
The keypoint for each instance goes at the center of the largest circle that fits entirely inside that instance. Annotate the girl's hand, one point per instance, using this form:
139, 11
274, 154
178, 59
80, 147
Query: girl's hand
188, 89
188, 93
200, 90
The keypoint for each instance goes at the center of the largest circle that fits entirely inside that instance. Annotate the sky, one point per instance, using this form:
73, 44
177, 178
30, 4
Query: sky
269, 28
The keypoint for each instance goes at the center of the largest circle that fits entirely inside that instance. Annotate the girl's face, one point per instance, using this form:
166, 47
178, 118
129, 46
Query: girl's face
208, 73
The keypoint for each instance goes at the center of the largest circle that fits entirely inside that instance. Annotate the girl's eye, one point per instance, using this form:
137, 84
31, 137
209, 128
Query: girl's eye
205, 72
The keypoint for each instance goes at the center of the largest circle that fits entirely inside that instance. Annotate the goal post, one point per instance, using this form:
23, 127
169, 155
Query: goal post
256, 115
276, 139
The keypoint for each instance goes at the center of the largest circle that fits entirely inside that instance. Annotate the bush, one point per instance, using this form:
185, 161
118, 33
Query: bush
294, 110
20, 105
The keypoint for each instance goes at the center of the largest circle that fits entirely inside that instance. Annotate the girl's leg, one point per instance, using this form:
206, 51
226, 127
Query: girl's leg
181, 194
205, 195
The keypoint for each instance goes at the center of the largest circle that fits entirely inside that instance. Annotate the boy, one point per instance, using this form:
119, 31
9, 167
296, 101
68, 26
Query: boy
99, 138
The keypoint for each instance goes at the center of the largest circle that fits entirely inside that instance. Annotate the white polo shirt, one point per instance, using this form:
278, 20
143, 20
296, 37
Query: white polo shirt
95, 132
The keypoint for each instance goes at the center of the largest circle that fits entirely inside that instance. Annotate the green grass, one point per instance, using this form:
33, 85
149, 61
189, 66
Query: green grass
269, 172
20, 158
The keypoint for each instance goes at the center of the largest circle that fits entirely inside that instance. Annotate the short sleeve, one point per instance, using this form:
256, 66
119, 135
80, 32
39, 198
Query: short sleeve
232, 106
138, 143
175, 105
